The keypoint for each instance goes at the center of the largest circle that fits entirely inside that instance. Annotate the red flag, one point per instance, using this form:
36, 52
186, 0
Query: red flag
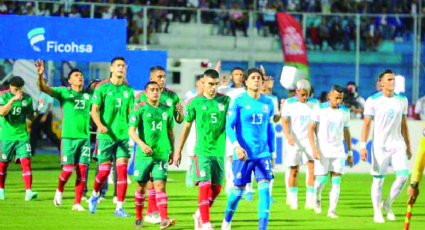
291, 36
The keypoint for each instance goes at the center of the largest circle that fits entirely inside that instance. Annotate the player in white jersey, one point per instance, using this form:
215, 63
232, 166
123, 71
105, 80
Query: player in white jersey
233, 91
267, 90
390, 142
327, 130
296, 116
191, 140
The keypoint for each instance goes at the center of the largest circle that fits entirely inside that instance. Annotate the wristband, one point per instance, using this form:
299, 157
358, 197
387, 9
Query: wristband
362, 145
350, 153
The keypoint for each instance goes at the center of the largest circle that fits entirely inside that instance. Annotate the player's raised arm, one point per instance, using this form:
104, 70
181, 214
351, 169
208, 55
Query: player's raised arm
178, 114
41, 83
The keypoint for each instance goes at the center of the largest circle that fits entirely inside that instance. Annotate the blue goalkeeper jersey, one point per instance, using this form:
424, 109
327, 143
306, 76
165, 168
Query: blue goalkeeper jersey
249, 123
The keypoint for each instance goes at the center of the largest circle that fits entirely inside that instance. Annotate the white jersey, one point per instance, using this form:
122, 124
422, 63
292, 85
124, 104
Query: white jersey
387, 113
330, 131
233, 93
299, 116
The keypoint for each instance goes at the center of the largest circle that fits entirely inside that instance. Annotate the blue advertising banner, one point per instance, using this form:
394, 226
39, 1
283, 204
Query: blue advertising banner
60, 39
139, 64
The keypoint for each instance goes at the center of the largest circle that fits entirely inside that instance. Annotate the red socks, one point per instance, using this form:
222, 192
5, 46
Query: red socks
139, 199
26, 172
80, 183
65, 175
152, 208
214, 192
203, 202
161, 203
121, 181
104, 170
3, 172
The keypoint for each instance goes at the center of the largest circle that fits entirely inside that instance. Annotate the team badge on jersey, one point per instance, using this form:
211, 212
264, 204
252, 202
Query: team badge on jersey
125, 94
24, 103
221, 107
133, 118
164, 116
86, 96
265, 109
203, 174
169, 102
136, 173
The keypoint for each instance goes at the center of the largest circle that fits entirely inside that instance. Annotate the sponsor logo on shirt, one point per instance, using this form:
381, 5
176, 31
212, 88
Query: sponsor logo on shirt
169, 102
164, 116
86, 96
71, 96
136, 173
220, 107
125, 94
202, 173
110, 93
265, 109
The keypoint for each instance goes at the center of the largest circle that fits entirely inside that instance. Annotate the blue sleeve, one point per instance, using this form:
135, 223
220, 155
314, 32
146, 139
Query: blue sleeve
231, 120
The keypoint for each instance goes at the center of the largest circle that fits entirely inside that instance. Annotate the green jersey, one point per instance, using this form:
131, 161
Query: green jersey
153, 124
114, 101
210, 118
14, 124
75, 112
168, 98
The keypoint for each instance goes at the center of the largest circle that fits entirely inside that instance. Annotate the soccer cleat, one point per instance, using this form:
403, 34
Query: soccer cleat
226, 225
93, 201
197, 220
78, 207
248, 196
57, 200
207, 226
387, 209
378, 218
121, 213
167, 223
30, 195
318, 207
114, 200
138, 224
2, 194
332, 215
153, 218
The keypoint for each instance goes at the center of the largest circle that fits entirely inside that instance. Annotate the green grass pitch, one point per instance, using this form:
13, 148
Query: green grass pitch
354, 208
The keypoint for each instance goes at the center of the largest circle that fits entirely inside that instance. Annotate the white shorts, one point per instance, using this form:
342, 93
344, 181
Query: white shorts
382, 157
325, 165
298, 154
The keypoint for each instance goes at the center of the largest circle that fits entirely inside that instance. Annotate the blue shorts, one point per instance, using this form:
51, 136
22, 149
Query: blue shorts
242, 170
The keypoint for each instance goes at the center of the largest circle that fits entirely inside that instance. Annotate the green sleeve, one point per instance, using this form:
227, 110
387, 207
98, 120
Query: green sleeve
134, 118
57, 92
190, 112
97, 96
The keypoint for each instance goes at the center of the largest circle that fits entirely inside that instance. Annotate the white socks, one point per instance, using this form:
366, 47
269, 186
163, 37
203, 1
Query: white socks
397, 188
376, 192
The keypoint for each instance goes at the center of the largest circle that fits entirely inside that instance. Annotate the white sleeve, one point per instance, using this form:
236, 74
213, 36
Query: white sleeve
315, 116
418, 107
406, 106
369, 108
276, 106
286, 112
347, 120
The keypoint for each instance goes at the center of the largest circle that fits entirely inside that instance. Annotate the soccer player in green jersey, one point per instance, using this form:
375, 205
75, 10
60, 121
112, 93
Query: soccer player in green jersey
15, 107
112, 102
75, 147
155, 145
209, 112
170, 99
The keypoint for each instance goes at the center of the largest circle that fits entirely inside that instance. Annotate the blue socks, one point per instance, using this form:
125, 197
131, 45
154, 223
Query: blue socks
264, 205
232, 203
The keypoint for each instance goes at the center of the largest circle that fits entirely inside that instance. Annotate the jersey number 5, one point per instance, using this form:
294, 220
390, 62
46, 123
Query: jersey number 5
214, 118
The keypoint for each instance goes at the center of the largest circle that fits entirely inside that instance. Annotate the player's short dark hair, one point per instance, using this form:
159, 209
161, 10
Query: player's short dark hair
199, 77
73, 71
236, 68
384, 72
351, 83
156, 68
17, 81
251, 71
212, 73
337, 88
117, 59
150, 83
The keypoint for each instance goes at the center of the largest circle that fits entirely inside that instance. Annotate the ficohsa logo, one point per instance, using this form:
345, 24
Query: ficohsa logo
36, 36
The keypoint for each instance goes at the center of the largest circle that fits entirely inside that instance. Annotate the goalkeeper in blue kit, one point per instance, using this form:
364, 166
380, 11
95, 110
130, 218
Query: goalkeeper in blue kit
249, 127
